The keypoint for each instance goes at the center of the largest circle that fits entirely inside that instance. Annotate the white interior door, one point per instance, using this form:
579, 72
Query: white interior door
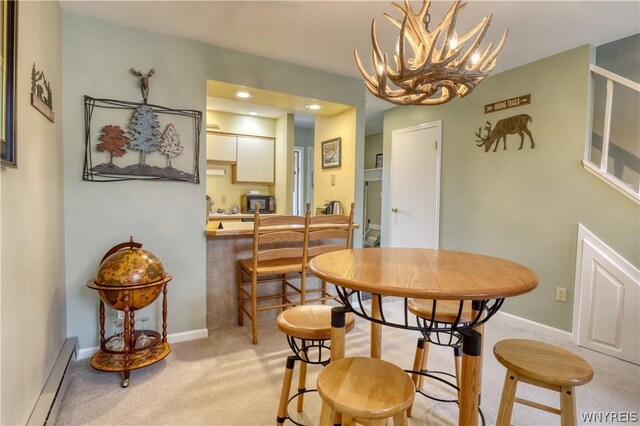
415, 186
608, 300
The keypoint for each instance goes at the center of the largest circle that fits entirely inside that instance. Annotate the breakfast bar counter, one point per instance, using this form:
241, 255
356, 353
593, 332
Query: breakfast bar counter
227, 245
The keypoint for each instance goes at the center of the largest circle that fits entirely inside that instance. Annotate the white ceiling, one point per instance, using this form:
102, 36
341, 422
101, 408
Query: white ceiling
322, 34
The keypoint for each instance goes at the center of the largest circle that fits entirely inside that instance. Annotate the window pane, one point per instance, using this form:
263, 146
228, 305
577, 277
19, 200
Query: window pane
597, 118
624, 142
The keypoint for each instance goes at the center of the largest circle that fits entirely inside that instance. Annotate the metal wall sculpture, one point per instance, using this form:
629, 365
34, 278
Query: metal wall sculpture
160, 135
41, 95
506, 126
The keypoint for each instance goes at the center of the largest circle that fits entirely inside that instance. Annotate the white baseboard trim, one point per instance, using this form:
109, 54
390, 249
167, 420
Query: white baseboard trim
172, 338
557, 331
48, 404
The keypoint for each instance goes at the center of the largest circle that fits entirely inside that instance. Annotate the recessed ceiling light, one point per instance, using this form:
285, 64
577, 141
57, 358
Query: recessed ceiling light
313, 107
242, 94
253, 113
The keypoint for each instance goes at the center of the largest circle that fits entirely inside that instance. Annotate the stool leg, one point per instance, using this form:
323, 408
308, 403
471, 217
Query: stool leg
240, 299
507, 399
378, 422
423, 365
286, 388
326, 415
417, 360
324, 292
568, 406
347, 421
457, 359
302, 380
400, 419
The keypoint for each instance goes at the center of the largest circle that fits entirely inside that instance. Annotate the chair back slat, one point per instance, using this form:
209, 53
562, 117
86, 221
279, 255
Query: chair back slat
273, 220
318, 250
329, 234
286, 236
329, 219
281, 253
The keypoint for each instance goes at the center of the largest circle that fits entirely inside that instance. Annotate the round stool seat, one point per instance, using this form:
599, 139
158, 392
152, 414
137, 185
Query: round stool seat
543, 362
312, 322
366, 388
446, 310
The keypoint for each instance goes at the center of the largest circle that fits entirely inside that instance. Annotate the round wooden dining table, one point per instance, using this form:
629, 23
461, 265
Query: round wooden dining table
423, 274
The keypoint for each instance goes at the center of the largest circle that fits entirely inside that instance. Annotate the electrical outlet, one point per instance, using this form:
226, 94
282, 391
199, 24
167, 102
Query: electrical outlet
333, 180
561, 294
223, 199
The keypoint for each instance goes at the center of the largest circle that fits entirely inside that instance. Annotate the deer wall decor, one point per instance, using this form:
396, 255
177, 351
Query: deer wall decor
506, 126
144, 82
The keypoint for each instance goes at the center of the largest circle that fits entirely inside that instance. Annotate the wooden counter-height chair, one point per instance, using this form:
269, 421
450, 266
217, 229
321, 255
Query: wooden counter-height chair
279, 254
328, 233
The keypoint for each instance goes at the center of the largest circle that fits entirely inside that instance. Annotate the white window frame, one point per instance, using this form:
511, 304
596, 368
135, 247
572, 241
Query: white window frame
600, 170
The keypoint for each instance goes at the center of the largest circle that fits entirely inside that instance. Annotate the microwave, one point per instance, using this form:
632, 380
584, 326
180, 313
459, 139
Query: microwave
265, 203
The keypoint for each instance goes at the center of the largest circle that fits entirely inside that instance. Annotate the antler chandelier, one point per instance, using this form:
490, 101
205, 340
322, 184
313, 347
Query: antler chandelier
441, 67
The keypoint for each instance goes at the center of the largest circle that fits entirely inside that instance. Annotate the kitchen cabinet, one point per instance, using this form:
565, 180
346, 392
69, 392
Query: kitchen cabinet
221, 148
255, 160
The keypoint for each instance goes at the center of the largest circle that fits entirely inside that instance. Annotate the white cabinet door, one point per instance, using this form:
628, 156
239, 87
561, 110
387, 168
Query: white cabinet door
255, 160
221, 148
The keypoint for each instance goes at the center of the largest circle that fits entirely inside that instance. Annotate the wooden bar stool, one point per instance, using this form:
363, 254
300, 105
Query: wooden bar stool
447, 312
365, 390
544, 365
308, 329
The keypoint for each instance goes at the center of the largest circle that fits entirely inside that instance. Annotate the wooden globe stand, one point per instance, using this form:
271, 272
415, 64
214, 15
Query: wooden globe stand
129, 299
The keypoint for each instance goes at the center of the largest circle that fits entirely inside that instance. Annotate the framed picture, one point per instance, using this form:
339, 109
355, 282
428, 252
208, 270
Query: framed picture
332, 153
378, 161
8, 89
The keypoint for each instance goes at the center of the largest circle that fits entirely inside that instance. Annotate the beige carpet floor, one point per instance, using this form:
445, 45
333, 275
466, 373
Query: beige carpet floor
224, 380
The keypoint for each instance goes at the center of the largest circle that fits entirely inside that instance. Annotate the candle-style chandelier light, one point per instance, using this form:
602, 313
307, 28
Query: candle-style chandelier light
441, 67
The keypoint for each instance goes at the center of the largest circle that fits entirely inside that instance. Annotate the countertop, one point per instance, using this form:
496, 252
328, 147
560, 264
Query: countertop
234, 229
229, 216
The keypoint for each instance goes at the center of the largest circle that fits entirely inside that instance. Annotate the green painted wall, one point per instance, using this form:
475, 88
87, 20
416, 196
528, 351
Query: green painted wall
525, 205
165, 216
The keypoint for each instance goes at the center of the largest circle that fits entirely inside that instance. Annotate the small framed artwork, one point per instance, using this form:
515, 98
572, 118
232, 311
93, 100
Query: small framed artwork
378, 161
332, 153
9, 24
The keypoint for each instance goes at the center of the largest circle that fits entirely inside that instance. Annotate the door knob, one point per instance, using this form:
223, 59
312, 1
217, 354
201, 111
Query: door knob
394, 210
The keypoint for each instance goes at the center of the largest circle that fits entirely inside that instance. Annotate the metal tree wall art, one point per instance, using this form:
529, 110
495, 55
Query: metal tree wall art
159, 153
113, 141
170, 145
144, 131
41, 96
506, 126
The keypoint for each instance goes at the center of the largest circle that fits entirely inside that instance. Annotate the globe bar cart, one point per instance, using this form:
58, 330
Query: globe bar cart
128, 279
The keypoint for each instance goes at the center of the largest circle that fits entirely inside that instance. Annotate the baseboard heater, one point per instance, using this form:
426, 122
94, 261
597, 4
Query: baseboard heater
46, 409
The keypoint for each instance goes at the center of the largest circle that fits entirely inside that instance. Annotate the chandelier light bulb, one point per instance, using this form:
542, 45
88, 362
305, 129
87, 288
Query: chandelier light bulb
475, 58
453, 43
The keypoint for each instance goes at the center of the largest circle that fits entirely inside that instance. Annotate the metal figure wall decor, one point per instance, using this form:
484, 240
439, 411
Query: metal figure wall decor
506, 126
159, 134
41, 96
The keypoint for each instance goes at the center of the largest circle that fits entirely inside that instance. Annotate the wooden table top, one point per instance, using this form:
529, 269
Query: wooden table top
424, 273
